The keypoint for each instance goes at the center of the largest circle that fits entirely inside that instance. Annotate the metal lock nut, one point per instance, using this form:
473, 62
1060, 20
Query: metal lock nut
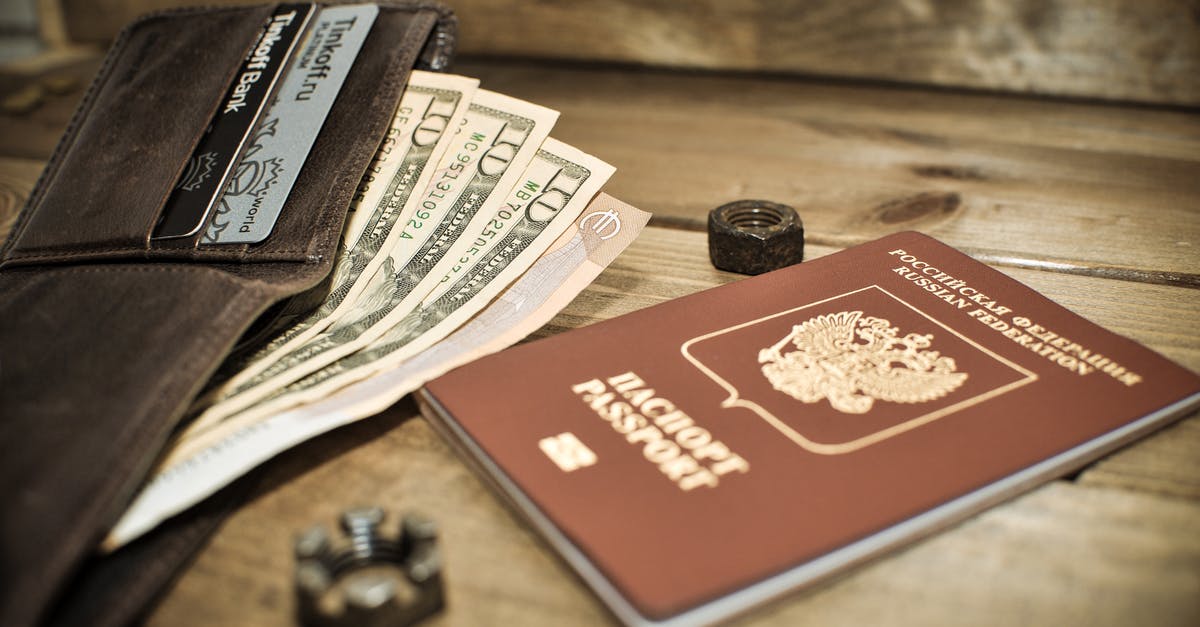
754, 236
372, 579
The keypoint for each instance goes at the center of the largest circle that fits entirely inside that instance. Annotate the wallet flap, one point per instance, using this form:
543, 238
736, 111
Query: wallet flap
99, 360
137, 128
97, 367
131, 137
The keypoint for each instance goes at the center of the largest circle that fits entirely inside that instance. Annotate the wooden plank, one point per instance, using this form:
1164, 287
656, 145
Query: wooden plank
1165, 463
666, 264
1047, 184
1061, 47
1062, 555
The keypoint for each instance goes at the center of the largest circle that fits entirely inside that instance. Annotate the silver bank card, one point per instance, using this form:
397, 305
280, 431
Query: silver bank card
255, 195
211, 165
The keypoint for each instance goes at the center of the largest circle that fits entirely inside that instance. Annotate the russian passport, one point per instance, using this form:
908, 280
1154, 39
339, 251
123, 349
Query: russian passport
696, 458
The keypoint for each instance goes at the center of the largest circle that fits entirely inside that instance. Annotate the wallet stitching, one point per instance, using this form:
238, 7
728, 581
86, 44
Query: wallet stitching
440, 15
147, 242
64, 144
71, 134
66, 556
105, 269
239, 310
105, 496
140, 437
288, 255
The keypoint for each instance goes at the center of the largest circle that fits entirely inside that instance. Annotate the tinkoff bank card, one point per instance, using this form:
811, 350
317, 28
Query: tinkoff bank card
255, 194
212, 162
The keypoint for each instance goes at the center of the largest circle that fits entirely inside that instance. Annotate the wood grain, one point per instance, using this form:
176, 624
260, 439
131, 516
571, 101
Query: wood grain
1061, 47
1164, 463
1061, 555
1026, 182
1120, 49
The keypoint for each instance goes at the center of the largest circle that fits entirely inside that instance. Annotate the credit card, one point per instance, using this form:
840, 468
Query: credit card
263, 179
208, 170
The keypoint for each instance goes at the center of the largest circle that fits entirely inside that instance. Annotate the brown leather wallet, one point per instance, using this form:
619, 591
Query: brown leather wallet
106, 334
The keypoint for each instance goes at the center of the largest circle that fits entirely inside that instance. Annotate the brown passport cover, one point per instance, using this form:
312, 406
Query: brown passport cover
830, 410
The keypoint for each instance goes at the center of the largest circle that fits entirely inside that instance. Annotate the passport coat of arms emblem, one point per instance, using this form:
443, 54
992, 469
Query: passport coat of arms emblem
853, 361
851, 370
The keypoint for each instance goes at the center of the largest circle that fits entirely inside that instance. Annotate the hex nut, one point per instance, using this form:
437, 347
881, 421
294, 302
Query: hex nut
373, 576
754, 236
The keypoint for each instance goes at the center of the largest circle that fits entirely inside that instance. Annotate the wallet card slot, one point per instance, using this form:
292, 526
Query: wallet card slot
133, 135
73, 218
310, 224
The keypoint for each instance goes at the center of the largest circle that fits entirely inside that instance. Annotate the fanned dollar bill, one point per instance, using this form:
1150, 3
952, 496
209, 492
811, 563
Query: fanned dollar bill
548, 197
497, 139
190, 473
422, 130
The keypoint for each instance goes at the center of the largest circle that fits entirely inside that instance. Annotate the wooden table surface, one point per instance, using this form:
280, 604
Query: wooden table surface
1095, 205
